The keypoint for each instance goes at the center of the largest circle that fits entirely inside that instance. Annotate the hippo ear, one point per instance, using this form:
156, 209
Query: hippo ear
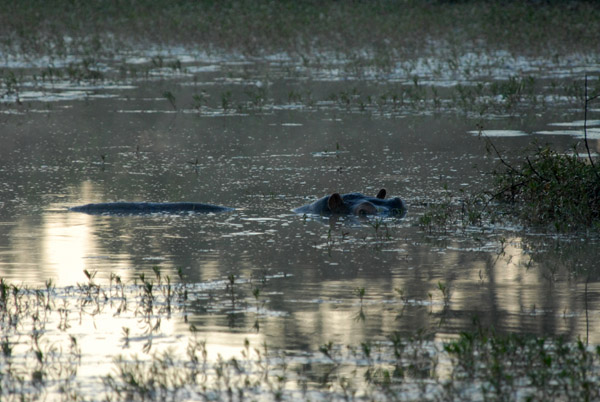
381, 193
335, 202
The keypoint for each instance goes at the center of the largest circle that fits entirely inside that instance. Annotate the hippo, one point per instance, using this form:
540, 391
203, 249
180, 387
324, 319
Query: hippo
139, 208
355, 204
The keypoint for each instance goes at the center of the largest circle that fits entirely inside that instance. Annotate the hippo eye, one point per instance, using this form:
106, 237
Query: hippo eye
366, 208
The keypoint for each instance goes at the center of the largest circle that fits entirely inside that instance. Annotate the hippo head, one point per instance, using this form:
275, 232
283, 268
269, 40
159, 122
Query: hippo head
358, 204
355, 204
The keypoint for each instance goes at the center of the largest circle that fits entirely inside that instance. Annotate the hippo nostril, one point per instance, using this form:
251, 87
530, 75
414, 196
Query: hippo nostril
399, 203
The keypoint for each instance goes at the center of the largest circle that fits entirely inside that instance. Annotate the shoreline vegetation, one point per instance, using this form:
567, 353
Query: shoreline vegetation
387, 29
542, 187
43, 355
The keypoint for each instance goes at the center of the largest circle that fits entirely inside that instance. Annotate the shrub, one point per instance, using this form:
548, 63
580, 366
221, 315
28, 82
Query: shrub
551, 188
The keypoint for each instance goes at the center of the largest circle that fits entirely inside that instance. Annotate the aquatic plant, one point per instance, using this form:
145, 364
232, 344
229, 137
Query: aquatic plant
445, 291
37, 362
11, 84
439, 215
524, 366
168, 95
546, 188
257, 96
200, 100
542, 187
360, 292
226, 101
550, 187
85, 70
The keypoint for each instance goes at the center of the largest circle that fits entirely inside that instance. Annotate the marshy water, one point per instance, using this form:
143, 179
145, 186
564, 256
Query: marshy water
264, 137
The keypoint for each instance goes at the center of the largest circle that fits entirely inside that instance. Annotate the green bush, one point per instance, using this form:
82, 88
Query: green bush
551, 188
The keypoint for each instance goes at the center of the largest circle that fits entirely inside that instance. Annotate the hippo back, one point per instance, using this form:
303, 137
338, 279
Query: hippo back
131, 208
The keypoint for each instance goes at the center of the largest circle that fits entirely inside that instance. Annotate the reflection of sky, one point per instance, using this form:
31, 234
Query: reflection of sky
70, 246
501, 283
520, 298
496, 282
65, 244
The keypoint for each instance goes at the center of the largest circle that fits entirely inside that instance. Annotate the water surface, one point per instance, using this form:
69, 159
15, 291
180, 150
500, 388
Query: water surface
266, 139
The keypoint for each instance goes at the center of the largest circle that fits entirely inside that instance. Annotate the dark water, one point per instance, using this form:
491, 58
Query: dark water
128, 143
